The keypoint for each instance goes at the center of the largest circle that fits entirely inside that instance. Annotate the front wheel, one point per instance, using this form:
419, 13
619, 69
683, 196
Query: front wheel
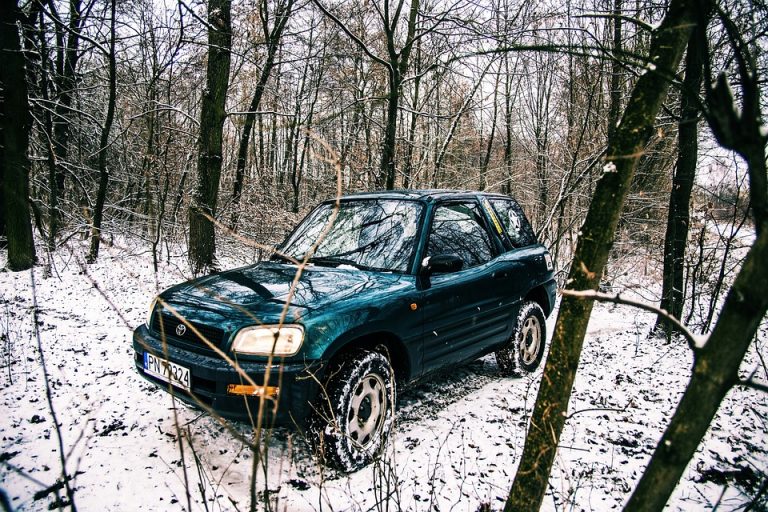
525, 348
357, 412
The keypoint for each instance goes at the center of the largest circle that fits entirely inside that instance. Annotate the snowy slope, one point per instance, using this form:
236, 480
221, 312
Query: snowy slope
457, 441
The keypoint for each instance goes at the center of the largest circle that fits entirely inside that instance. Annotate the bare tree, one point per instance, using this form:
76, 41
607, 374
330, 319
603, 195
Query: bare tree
537, 117
101, 194
395, 63
15, 124
678, 220
272, 37
65, 79
483, 181
462, 111
202, 209
625, 148
615, 99
716, 363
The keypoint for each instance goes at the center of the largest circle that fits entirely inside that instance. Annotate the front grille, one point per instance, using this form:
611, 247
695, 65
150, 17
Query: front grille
170, 327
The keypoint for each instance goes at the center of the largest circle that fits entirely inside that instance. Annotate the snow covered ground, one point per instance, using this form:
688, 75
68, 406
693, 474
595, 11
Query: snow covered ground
457, 443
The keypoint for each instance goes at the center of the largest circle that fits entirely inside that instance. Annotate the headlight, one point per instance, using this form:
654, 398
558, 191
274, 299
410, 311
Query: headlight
151, 310
265, 340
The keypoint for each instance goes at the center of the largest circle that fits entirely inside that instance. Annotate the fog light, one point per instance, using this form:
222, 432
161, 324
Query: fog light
242, 389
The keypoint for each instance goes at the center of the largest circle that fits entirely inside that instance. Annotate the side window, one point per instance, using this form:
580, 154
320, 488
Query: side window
512, 216
458, 229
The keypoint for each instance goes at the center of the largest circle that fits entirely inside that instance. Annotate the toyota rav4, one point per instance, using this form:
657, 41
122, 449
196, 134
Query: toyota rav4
369, 293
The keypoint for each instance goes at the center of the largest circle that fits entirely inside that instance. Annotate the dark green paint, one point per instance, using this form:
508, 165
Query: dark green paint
458, 316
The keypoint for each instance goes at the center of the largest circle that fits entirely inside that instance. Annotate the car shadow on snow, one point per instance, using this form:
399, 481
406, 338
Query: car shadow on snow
426, 399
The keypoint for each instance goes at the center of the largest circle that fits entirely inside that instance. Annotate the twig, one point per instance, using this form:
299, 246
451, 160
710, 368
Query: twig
23, 474
756, 500
49, 395
640, 23
596, 409
202, 477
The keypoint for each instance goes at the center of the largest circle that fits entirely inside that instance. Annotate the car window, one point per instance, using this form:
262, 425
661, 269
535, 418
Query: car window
517, 226
458, 229
376, 234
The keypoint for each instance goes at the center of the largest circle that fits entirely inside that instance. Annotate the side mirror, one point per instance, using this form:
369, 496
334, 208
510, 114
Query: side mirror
441, 263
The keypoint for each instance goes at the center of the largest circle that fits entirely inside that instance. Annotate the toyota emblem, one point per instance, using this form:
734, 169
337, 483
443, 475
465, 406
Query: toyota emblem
181, 329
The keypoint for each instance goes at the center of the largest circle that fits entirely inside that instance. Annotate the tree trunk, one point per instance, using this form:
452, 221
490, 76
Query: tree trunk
716, 365
676, 238
715, 371
408, 170
297, 168
506, 185
53, 197
387, 172
245, 139
202, 236
98, 211
489, 148
31, 35
66, 81
15, 123
398, 65
597, 234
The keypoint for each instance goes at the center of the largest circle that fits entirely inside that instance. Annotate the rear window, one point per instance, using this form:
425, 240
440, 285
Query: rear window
517, 226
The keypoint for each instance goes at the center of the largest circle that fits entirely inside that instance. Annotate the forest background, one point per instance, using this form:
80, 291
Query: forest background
201, 128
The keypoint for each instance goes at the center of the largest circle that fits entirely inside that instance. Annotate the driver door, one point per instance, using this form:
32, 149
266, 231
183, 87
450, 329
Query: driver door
463, 312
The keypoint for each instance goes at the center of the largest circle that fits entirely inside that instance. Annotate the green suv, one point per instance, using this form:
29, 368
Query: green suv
368, 293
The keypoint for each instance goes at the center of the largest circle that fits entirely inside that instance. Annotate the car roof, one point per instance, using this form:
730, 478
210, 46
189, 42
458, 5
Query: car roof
423, 195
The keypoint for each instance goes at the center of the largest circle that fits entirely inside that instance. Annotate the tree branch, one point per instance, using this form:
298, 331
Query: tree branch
696, 343
750, 383
352, 36
623, 17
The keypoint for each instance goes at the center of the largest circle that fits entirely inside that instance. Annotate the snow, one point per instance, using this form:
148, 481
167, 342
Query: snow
456, 444
699, 340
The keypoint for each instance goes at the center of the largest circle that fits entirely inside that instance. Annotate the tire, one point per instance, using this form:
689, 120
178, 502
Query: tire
357, 412
525, 348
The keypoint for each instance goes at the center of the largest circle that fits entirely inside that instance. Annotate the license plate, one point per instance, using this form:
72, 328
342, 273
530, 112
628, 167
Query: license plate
167, 370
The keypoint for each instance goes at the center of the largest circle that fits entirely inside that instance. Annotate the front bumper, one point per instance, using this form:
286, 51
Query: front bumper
210, 376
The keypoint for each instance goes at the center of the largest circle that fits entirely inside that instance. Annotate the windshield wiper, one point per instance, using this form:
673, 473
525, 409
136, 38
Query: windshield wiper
335, 261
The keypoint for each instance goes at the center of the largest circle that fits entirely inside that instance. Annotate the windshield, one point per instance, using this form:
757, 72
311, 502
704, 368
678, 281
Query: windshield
368, 234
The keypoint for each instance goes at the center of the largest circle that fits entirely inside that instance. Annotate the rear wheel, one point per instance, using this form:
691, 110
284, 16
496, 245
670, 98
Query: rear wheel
525, 348
357, 413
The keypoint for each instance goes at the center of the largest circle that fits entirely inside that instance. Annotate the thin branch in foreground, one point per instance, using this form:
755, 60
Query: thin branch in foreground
695, 342
596, 409
49, 395
753, 384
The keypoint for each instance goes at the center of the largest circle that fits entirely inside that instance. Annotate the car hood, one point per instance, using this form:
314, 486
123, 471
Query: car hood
265, 288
